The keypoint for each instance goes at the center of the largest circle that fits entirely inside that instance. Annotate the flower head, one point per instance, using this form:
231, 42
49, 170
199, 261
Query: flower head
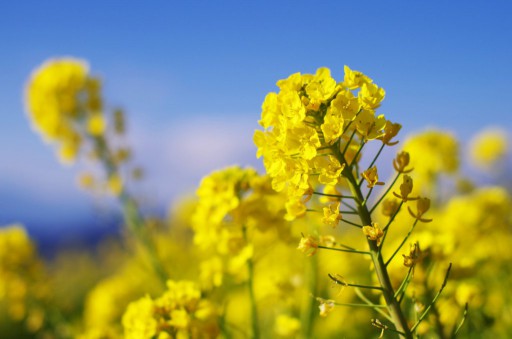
373, 232
372, 177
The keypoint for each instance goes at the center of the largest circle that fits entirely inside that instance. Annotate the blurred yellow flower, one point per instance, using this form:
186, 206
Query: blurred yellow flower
287, 326
488, 147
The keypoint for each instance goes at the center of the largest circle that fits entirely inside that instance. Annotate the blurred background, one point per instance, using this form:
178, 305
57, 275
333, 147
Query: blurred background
191, 77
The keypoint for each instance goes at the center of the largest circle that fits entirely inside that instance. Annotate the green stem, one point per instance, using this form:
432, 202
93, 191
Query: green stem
402, 243
377, 155
343, 250
375, 307
349, 206
424, 314
385, 193
360, 305
397, 315
386, 228
403, 286
358, 152
131, 214
351, 223
459, 326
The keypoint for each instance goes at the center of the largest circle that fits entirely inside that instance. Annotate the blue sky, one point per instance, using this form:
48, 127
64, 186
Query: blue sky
192, 76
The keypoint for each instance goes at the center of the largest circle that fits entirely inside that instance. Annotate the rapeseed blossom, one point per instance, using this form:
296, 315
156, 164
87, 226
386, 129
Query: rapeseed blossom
307, 120
180, 312
64, 104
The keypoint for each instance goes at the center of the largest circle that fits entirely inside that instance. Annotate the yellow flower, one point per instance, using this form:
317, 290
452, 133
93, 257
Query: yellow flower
115, 184
370, 96
433, 152
86, 181
321, 87
422, 206
180, 309
414, 255
326, 306
211, 273
401, 162
291, 107
287, 326
96, 125
293, 83
57, 98
138, 320
389, 207
405, 189
372, 177
294, 208
329, 169
308, 245
332, 214
369, 126
488, 147
355, 79
373, 232
332, 126
390, 131
345, 105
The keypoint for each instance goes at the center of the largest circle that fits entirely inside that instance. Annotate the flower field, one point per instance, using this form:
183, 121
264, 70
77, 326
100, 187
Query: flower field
351, 230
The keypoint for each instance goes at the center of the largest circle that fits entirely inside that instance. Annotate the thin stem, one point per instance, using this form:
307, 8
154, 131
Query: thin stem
402, 243
377, 155
367, 196
360, 305
365, 286
131, 213
351, 223
344, 203
368, 302
343, 250
385, 229
424, 314
358, 152
323, 147
403, 286
343, 283
334, 195
385, 193
348, 212
348, 143
345, 246
464, 316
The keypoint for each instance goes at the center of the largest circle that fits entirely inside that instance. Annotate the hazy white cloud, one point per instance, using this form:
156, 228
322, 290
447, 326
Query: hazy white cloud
178, 156
175, 157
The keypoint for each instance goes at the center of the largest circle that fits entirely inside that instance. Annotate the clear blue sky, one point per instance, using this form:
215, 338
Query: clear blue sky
192, 76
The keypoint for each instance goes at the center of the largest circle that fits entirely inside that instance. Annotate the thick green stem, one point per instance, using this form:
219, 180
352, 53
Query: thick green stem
397, 315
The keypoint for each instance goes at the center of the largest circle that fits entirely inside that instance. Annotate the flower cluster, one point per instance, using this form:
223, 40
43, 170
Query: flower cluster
22, 287
313, 129
181, 312
233, 204
64, 103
